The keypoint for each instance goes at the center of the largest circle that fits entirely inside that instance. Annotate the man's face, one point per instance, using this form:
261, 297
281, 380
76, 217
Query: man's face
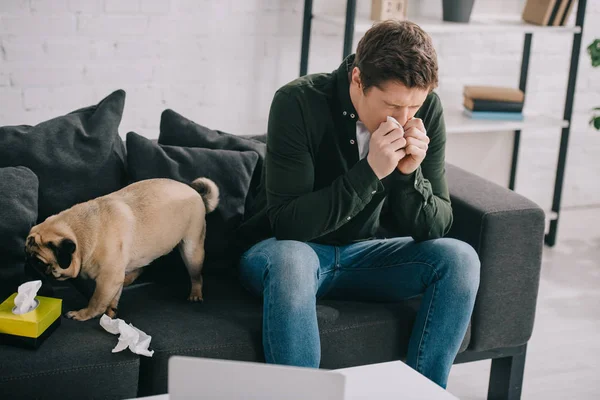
391, 98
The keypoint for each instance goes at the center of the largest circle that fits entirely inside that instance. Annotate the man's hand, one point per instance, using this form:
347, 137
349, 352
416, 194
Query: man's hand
417, 143
386, 148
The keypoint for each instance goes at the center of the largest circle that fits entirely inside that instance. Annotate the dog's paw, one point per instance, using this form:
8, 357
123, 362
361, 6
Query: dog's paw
196, 293
195, 299
111, 312
80, 315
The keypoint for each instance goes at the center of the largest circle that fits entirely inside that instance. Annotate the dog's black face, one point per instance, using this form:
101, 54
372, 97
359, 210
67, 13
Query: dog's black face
51, 258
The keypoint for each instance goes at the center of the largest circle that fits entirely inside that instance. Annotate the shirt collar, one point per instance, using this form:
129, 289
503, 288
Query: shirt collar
346, 108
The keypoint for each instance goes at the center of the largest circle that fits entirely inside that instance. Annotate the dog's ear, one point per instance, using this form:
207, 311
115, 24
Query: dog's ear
30, 244
64, 253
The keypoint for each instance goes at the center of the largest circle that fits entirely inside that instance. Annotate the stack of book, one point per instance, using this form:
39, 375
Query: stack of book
493, 102
548, 12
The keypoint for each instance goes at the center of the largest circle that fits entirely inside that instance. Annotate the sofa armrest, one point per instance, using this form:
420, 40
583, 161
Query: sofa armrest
507, 231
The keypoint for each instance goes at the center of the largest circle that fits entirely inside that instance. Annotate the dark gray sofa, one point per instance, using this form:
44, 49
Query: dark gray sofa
79, 156
505, 228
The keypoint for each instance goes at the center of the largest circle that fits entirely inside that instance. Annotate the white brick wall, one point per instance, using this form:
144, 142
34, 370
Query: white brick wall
85, 6
44, 7
11, 100
111, 25
40, 75
121, 7
37, 26
219, 63
4, 80
14, 6
155, 6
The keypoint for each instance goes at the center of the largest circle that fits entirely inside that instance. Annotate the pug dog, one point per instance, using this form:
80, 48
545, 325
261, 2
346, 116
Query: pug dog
109, 239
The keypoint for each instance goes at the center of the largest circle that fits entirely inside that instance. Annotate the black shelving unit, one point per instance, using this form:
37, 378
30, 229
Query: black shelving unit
550, 238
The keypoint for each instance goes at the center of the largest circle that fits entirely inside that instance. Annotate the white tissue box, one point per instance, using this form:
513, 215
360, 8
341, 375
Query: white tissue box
32, 328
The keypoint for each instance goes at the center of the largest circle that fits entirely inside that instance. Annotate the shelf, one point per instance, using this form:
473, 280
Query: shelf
478, 24
457, 122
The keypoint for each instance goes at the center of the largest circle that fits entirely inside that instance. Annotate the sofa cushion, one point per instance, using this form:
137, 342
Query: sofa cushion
74, 362
77, 156
176, 130
230, 170
18, 213
228, 325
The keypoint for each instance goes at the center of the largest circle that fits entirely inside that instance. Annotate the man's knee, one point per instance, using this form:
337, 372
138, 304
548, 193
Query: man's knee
291, 269
461, 263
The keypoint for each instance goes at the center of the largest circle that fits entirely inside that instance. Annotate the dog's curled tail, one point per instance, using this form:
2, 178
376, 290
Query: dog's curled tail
209, 192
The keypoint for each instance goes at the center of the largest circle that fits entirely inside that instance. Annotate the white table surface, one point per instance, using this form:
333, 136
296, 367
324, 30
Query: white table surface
391, 380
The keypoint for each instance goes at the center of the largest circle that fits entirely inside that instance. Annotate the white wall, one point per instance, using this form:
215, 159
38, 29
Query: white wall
219, 63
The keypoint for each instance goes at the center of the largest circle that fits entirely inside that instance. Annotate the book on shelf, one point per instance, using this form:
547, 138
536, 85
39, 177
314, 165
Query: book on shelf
492, 105
568, 8
496, 93
494, 115
557, 12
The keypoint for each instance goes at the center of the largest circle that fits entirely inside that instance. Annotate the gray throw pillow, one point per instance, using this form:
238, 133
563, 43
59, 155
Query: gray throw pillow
176, 130
76, 157
18, 213
230, 170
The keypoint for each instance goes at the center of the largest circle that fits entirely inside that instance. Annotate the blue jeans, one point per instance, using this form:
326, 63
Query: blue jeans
292, 275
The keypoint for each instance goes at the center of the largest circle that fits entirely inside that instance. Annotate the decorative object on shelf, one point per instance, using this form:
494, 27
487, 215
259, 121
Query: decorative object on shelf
457, 10
538, 11
594, 51
493, 103
548, 12
388, 9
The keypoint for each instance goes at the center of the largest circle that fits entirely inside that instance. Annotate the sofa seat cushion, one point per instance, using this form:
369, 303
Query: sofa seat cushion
74, 362
228, 325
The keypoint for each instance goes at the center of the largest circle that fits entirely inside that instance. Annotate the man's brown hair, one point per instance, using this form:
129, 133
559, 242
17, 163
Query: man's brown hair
398, 51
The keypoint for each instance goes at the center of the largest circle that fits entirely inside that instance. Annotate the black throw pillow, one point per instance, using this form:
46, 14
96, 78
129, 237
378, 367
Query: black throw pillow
76, 157
230, 170
18, 213
176, 130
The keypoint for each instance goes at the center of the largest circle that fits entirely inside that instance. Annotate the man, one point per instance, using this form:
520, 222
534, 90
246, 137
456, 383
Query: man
339, 176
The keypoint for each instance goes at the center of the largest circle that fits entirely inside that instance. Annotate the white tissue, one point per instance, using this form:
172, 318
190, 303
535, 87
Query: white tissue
25, 300
394, 120
137, 341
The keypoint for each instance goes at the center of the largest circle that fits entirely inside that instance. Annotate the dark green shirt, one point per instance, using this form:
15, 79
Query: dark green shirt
314, 187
